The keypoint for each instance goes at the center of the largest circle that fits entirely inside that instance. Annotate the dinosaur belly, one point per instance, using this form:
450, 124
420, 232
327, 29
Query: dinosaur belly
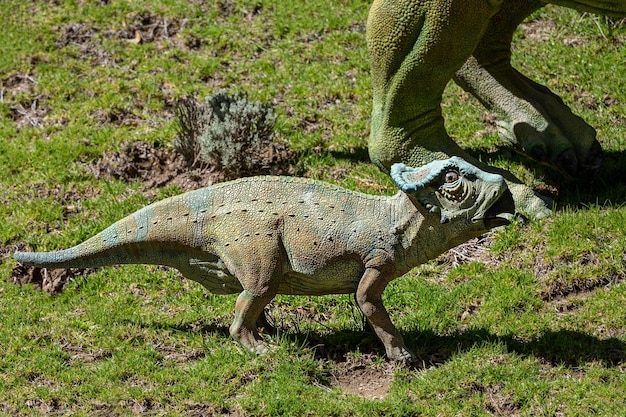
341, 276
213, 275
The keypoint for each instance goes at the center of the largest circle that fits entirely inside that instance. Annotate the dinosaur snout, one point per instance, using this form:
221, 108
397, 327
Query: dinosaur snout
500, 211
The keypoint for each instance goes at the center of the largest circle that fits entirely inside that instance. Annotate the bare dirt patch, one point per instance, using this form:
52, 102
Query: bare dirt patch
52, 281
154, 165
86, 41
18, 84
146, 27
143, 27
75, 34
159, 166
363, 377
538, 30
476, 249
498, 402
117, 115
27, 107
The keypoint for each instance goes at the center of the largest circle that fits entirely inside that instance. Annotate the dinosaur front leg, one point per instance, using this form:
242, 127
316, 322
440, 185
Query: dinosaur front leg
415, 48
368, 297
534, 120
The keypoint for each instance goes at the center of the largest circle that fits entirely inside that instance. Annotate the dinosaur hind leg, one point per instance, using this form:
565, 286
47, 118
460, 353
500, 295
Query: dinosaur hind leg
368, 297
248, 312
263, 323
534, 121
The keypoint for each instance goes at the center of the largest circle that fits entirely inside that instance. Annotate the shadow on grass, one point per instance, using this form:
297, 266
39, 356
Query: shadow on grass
606, 185
561, 347
208, 328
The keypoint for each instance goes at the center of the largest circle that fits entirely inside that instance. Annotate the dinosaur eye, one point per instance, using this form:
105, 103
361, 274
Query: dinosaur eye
451, 177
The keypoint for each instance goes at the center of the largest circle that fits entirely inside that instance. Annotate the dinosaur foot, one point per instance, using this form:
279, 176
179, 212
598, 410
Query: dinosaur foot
254, 342
530, 203
401, 355
538, 124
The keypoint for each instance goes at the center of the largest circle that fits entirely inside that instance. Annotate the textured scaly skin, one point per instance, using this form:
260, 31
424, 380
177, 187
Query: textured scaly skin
416, 47
208, 232
267, 235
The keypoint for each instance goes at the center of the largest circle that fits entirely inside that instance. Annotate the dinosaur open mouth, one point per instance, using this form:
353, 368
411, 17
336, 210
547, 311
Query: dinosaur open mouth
496, 215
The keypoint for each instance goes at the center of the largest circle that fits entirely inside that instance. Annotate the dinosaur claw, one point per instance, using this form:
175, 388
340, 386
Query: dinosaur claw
595, 159
538, 153
568, 163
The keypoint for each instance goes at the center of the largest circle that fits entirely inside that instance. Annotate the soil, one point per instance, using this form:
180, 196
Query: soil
27, 105
364, 377
52, 281
159, 166
153, 165
539, 30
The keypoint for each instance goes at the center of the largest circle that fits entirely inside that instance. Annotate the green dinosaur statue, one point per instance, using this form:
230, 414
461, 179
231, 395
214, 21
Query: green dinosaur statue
416, 47
262, 236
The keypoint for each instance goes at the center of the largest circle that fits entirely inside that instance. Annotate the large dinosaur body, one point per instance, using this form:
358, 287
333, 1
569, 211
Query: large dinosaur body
267, 235
417, 46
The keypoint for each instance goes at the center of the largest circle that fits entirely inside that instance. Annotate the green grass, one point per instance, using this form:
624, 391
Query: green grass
535, 325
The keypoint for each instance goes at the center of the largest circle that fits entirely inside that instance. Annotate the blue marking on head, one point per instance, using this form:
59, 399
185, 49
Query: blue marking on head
411, 180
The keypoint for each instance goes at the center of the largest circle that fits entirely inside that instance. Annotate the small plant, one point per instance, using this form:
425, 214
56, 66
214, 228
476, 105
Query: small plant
227, 134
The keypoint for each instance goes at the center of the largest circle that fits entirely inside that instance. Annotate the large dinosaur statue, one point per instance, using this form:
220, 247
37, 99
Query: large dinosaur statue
417, 46
266, 235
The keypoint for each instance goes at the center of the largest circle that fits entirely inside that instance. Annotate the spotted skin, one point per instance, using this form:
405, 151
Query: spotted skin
263, 236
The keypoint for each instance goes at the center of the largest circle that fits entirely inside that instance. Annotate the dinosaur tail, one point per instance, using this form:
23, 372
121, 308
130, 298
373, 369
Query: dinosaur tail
59, 259
136, 239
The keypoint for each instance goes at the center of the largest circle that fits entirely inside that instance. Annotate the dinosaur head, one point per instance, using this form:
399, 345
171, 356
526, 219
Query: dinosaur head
467, 198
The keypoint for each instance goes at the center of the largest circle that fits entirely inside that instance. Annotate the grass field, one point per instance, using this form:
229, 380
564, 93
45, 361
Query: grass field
530, 320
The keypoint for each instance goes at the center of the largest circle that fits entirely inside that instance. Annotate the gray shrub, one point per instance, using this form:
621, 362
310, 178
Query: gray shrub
225, 133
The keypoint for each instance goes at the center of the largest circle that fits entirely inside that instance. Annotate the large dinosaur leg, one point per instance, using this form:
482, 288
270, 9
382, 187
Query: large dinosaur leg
415, 48
534, 120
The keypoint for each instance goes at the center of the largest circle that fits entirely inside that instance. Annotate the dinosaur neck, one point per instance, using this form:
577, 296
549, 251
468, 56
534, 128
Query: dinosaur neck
411, 227
421, 235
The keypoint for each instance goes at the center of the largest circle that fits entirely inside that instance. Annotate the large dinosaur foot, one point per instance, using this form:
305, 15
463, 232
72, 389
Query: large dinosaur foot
541, 126
529, 202
535, 121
